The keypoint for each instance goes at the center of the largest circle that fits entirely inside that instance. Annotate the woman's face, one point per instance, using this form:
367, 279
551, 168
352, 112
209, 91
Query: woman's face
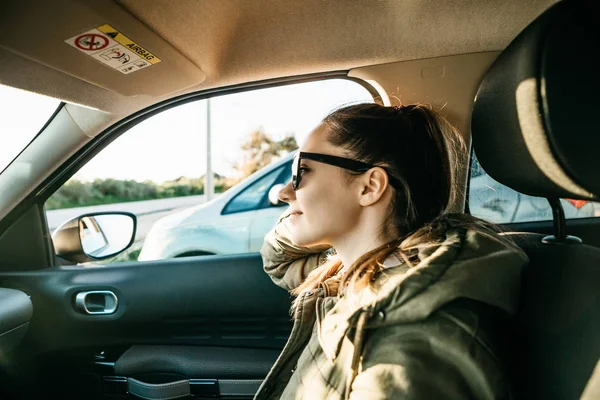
325, 206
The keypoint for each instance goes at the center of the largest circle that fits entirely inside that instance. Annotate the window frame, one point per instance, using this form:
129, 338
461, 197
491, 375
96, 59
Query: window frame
40, 194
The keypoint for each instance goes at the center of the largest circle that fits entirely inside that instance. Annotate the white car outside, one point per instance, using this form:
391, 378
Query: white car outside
234, 222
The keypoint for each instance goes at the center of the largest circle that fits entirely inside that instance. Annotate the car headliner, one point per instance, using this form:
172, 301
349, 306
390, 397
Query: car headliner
206, 44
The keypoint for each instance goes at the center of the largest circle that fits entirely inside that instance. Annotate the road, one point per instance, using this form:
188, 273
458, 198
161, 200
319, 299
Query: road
147, 211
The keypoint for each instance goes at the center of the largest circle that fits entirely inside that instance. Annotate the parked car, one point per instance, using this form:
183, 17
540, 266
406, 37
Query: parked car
234, 222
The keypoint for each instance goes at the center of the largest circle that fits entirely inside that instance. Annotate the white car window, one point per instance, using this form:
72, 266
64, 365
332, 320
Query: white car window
254, 196
494, 202
157, 170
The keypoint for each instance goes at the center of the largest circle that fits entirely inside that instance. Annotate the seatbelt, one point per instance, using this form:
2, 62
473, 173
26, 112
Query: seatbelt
592, 389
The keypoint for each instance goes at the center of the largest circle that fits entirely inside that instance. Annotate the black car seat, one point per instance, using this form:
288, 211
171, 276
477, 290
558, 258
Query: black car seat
536, 129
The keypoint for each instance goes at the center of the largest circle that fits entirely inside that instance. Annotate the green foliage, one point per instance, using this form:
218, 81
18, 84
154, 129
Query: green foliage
182, 186
261, 149
75, 193
129, 189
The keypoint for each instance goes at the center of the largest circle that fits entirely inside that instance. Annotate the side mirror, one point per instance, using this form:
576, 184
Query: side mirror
274, 194
95, 236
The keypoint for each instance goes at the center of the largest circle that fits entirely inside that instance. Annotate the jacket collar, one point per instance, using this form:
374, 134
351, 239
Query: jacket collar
465, 264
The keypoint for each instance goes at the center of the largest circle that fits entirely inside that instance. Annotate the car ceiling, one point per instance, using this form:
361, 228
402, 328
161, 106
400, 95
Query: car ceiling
207, 44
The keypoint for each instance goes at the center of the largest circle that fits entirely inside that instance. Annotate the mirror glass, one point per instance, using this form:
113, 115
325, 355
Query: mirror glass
105, 235
274, 194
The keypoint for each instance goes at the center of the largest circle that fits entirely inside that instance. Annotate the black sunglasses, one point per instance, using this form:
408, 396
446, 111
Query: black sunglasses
342, 162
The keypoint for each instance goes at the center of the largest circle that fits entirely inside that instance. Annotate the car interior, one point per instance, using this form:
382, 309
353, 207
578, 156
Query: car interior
512, 76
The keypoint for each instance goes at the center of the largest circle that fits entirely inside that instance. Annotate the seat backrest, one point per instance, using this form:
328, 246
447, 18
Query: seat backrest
556, 338
535, 129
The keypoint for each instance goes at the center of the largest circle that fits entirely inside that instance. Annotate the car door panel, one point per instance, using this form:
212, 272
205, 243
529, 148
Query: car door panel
220, 301
15, 311
231, 320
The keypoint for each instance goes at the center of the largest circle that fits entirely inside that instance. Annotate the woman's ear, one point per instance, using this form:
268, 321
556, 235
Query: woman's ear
373, 185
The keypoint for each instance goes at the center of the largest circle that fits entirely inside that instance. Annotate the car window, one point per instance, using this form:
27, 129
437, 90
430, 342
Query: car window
161, 169
253, 197
23, 115
495, 202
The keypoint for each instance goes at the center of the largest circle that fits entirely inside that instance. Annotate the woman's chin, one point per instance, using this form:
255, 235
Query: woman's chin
303, 240
297, 237
298, 234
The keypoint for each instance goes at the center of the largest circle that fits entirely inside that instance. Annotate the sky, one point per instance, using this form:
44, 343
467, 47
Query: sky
173, 143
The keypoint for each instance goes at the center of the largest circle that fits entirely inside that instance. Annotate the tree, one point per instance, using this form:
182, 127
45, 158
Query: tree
261, 149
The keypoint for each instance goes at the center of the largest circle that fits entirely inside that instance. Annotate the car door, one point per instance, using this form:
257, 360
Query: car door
213, 324
210, 326
222, 323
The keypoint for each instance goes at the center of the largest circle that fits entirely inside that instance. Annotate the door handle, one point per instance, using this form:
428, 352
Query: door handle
96, 302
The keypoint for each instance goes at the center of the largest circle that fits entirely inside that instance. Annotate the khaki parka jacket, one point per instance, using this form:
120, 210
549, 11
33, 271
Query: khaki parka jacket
430, 331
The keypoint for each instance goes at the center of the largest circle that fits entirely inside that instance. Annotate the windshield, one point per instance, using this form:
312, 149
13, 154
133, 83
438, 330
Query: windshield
23, 115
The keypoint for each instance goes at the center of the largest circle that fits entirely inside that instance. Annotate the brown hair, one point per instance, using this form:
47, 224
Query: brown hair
424, 152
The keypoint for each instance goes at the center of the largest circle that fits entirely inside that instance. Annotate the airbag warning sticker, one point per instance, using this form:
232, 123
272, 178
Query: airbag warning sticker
113, 49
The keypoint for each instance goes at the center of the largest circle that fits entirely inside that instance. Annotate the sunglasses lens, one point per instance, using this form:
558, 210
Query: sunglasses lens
295, 175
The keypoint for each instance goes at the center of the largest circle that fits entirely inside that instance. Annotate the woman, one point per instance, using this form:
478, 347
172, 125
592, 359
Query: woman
395, 298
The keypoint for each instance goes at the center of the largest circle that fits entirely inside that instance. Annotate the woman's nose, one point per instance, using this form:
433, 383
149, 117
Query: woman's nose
287, 194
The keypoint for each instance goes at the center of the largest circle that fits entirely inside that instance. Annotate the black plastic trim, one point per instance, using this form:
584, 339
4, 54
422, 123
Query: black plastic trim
204, 388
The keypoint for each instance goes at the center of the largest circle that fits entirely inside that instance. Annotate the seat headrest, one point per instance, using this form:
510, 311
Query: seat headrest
536, 117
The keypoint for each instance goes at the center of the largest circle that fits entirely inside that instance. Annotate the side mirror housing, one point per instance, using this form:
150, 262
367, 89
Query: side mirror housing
94, 236
274, 194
